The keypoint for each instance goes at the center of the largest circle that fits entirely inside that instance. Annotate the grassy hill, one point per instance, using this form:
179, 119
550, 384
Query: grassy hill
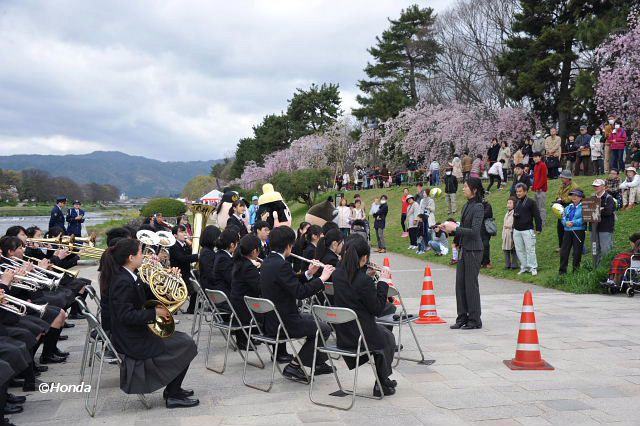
585, 281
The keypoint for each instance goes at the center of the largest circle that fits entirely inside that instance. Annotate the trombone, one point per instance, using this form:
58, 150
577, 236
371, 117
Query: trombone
43, 272
69, 272
30, 282
19, 306
71, 243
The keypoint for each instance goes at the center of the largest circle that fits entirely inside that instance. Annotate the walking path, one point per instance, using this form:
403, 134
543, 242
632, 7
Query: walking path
592, 340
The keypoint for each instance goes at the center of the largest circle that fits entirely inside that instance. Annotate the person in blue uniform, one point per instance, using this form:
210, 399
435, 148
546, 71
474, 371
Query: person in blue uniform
75, 218
57, 213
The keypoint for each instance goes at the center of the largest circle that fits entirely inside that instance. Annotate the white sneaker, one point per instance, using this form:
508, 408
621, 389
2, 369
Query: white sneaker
522, 271
534, 272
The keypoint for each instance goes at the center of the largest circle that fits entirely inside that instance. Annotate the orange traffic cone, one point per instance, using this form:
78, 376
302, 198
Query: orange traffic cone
428, 313
387, 264
528, 356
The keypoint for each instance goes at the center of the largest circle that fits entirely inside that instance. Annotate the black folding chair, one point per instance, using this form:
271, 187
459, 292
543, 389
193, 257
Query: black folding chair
332, 316
226, 327
399, 320
264, 306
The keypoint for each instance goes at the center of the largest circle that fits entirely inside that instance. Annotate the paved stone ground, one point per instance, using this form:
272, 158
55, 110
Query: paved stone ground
593, 342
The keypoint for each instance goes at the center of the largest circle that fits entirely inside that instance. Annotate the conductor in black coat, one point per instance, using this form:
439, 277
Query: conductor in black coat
356, 290
469, 260
279, 284
149, 361
180, 257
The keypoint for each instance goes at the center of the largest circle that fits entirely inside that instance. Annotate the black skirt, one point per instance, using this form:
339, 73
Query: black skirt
14, 353
148, 375
6, 372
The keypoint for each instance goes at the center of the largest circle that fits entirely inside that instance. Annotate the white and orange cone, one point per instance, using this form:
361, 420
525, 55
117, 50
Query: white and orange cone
528, 356
387, 264
428, 312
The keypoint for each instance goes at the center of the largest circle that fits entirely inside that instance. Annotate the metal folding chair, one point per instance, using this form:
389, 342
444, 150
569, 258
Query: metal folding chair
332, 316
99, 346
264, 306
227, 326
87, 340
91, 292
200, 311
403, 318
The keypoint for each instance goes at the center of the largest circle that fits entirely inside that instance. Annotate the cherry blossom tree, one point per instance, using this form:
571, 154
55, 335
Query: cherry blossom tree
618, 87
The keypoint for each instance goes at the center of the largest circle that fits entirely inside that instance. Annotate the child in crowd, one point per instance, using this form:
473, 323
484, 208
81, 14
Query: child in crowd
508, 246
613, 185
422, 236
635, 155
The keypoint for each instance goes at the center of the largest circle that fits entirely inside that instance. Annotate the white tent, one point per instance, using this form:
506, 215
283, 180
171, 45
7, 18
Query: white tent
212, 197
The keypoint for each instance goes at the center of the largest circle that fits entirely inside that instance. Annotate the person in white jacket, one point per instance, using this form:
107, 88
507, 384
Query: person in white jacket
597, 152
428, 207
413, 210
629, 188
496, 174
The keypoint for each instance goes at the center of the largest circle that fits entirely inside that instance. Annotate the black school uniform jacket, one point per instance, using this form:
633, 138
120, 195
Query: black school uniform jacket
245, 281
367, 299
129, 331
222, 272
181, 257
206, 264
279, 284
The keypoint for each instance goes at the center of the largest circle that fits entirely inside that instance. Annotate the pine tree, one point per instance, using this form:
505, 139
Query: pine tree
549, 63
402, 56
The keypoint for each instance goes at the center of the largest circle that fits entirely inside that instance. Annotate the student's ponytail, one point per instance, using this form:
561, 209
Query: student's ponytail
324, 245
114, 258
354, 248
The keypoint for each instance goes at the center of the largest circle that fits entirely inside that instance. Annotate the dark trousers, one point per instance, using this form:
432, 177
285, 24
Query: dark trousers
403, 217
585, 163
467, 288
465, 176
560, 232
510, 259
175, 385
494, 178
413, 236
617, 161
306, 327
486, 252
573, 240
598, 166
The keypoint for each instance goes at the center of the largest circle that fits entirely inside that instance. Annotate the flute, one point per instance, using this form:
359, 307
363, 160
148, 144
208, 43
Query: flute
311, 261
378, 268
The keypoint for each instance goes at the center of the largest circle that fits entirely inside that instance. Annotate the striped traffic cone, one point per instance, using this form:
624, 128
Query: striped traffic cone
387, 264
428, 313
528, 356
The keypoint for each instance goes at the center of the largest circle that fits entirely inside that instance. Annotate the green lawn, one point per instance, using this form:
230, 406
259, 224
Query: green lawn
585, 281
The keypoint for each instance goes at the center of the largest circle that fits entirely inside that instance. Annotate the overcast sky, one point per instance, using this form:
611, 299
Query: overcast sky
171, 80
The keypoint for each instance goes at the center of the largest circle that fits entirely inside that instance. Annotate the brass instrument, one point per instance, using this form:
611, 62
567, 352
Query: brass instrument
151, 240
170, 290
201, 213
69, 272
19, 306
30, 282
37, 270
311, 261
70, 243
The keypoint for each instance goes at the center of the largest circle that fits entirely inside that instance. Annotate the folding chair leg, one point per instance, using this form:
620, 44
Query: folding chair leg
91, 406
226, 353
83, 363
274, 362
144, 401
255, 350
422, 360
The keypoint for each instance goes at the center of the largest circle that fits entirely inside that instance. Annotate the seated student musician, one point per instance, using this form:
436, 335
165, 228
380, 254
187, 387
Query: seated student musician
314, 233
328, 252
180, 257
355, 289
262, 231
149, 361
208, 241
236, 212
52, 320
299, 246
223, 266
279, 284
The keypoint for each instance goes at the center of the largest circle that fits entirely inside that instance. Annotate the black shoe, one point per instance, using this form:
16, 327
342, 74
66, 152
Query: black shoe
51, 359
15, 399
174, 402
16, 383
324, 369
63, 337
458, 325
60, 353
398, 349
68, 325
471, 326
385, 389
36, 373
182, 393
389, 383
12, 409
284, 359
294, 372
76, 317
41, 368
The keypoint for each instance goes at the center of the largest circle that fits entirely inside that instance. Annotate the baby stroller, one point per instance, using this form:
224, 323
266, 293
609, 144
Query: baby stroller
360, 227
630, 282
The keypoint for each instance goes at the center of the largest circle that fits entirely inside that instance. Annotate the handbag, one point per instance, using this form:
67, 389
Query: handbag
585, 152
490, 226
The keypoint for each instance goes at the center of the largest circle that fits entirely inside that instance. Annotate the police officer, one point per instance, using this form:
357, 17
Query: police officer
75, 218
57, 215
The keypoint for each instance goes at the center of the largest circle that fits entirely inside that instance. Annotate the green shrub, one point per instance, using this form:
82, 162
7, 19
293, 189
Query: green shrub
585, 280
167, 206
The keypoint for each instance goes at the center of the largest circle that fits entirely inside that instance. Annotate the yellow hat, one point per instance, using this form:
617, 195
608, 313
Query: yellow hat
269, 195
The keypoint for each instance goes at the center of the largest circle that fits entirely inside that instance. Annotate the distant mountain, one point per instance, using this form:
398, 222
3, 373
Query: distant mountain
134, 175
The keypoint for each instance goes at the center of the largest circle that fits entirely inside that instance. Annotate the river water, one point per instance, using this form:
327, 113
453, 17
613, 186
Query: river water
42, 222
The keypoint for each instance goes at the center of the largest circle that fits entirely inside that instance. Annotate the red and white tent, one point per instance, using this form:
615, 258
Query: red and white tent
212, 198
